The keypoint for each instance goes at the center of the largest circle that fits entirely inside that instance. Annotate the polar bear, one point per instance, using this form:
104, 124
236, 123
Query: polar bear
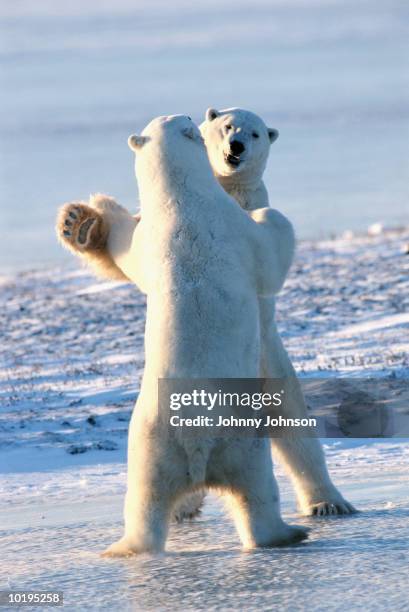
238, 144
101, 232
193, 245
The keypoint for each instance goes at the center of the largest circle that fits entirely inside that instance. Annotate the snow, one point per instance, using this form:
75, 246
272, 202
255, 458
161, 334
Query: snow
353, 563
375, 324
71, 362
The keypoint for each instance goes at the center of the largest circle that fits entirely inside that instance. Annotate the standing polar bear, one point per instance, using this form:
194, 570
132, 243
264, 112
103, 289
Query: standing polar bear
194, 245
238, 144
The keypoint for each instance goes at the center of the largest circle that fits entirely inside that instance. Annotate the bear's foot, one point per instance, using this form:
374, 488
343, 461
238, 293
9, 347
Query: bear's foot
326, 503
331, 509
189, 507
81, 228
284, 536
290, 534
123, 548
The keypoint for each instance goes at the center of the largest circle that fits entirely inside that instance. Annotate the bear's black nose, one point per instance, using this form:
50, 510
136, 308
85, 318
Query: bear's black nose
236, 147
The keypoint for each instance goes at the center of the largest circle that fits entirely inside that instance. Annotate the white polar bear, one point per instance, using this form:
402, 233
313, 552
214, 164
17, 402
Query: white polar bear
194, 245
238, 144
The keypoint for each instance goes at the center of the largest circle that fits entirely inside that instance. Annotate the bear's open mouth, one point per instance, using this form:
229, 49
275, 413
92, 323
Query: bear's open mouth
232, 160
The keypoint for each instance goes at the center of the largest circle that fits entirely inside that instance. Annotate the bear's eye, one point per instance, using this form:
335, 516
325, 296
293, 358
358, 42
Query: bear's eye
255, 135
227, 127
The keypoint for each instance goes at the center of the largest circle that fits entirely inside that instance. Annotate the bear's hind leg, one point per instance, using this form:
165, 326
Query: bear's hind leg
258, 520
253, 499
156, 479
146, 526
302, 457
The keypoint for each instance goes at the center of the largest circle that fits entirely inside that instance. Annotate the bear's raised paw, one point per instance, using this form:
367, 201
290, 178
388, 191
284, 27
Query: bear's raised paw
81, 228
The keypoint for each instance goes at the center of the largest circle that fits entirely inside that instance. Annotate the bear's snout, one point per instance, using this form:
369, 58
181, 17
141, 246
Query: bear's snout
236, 147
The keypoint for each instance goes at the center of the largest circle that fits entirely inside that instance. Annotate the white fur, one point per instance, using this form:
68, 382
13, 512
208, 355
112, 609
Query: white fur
202, 261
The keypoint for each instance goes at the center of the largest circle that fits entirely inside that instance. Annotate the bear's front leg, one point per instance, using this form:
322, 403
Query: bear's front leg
81, 228
100, 233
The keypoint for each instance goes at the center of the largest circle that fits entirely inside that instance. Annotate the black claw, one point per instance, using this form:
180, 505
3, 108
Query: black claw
68, 222
66, 233
72, 215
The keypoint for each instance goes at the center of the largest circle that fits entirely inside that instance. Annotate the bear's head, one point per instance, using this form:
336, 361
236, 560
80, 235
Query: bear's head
237, 143
170, 146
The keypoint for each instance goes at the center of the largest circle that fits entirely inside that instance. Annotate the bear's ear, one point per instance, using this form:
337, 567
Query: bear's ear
272, 134
136, 142
211, 114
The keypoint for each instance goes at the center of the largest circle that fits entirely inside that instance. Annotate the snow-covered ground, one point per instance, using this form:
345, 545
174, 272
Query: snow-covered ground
71, 361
